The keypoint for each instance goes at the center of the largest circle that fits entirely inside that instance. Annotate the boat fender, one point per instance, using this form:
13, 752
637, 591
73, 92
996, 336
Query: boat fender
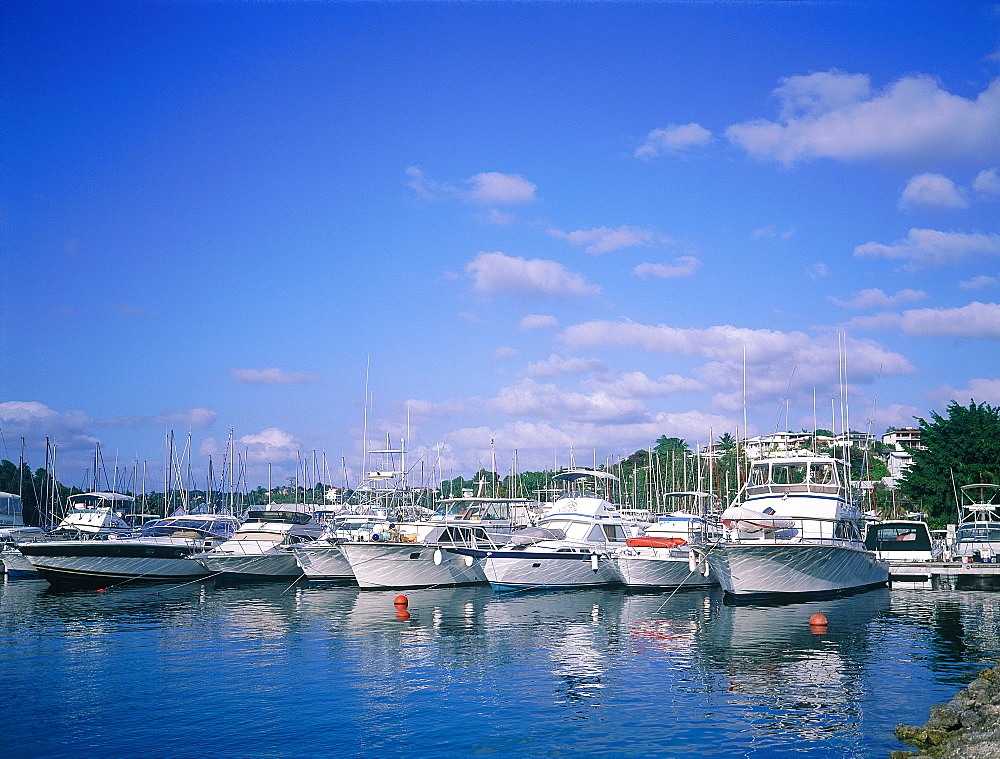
692, 562
468, 560
438, 557
594, 559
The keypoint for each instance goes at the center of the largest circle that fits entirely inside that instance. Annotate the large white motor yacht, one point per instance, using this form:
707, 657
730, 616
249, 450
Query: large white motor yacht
420, 554
796, 532
159, 551
570, 546
259, 549
96, 513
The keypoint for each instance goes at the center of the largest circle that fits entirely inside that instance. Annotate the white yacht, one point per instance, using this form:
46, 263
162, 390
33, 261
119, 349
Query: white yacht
569, 548
160, 551
260, 548
322, 559
978, 535
796, 532
96, 513
421, 554
661, 556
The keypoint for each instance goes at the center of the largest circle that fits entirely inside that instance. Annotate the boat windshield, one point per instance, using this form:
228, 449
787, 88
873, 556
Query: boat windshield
571, 529
287, 517
489, 510
792, 473
197, 528
980, 533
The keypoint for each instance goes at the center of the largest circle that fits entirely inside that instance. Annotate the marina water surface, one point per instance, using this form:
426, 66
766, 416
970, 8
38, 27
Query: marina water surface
299, 671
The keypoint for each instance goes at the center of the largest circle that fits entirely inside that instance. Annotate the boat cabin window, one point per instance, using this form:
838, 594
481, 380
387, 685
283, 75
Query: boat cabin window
821, 474
898, 537
286, 517
758, 475
614, 532
979, 533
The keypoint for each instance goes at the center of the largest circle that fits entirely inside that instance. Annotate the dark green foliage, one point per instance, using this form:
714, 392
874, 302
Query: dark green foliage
966, 443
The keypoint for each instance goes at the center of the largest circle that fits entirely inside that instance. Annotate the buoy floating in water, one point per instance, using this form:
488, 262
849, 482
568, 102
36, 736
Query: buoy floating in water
401, 601
818, 622
402, 614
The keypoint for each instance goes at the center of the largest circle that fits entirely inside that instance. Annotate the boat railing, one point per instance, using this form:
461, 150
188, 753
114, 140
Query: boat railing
811, 530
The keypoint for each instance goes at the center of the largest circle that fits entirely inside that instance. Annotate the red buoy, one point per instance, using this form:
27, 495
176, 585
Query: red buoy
817, 620
403, 615
401, 601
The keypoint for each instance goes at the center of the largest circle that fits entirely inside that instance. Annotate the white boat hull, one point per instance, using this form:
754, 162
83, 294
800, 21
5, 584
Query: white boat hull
409, 565
541, 570
16, 564
279, 565
649, 570
770, 569
323, 562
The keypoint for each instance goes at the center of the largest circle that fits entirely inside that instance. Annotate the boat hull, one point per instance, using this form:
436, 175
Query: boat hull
261, 567
323, 562
659, 571
409, 565
16, 564
100, 562
772, 570
542, 570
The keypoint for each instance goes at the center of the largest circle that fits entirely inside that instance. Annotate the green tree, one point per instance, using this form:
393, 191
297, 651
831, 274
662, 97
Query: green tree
664, 445
965, 444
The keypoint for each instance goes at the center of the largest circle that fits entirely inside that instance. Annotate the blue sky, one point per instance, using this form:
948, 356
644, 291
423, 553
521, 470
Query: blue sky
539, 227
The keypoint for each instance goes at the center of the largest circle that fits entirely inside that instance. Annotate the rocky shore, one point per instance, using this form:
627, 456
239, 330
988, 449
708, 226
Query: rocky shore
967, 727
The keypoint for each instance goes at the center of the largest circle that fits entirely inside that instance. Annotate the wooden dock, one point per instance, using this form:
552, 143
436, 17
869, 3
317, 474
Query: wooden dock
938, 568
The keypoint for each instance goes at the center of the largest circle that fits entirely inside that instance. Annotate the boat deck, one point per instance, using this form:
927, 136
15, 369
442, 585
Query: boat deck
943, 568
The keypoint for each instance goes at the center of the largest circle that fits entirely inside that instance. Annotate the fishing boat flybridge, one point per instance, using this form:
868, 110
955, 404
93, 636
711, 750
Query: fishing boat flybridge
794, 531
978, 533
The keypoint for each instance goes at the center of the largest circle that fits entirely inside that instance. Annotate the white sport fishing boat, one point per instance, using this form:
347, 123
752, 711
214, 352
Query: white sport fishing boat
422, 554
96, 513
796, 533
569, 548
902, 540
661, 555
260, 548
160, 551
978, 535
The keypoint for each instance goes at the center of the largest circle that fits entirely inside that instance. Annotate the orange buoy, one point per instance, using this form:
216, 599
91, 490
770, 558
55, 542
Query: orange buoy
817, 620
401, 601
403, 615
102, 590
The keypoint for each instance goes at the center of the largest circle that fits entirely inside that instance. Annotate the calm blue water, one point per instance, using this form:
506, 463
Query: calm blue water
272, 671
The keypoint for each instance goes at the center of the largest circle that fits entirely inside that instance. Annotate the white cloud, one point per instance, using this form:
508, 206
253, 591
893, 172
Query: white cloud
555, 366
504, 351
978, 283
976, 320
818, 270
531, 399
987, 182
267, 446
537, 321
875, 298
495, 273
272, 376
189, 419
773, 358
35, 421
979, 390
423, 409
771, 231
684, 266
604, 239
837, 115
489, 188
639, 385
673, 139
924, 248
494, 188
932, 191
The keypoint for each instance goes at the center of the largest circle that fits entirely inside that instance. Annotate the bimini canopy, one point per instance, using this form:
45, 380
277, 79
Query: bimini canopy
104, 496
